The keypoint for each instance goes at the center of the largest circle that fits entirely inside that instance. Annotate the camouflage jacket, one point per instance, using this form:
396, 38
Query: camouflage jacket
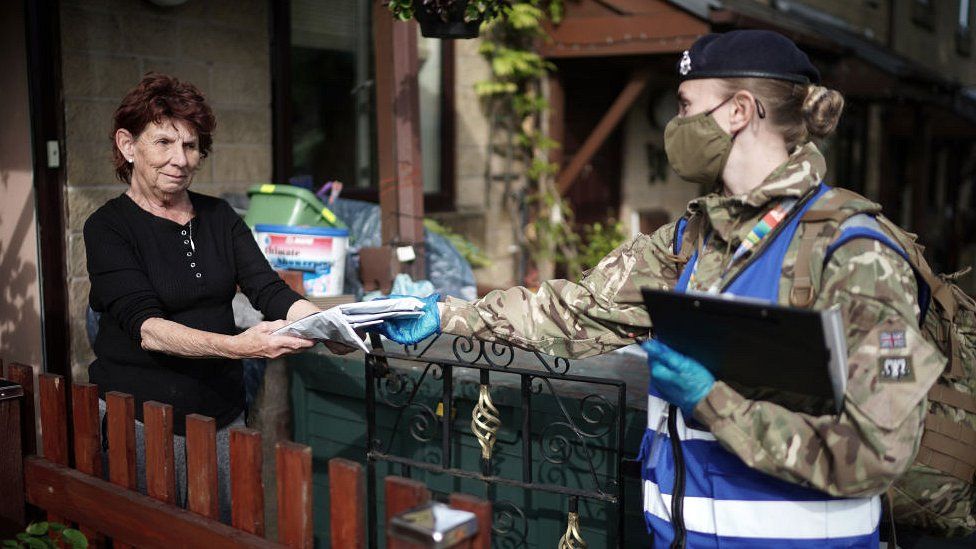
856, 453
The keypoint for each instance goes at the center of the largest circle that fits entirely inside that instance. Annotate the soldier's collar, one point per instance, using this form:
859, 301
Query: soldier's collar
802, 170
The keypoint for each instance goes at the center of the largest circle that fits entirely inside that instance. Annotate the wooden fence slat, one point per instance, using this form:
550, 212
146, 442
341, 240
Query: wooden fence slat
246, 489
54, 424
121, 416
294, 473
120, 410
482, 509
12, 508
87, 438
23, 375
201, 465
402, 494
87, 428
347, 503
160, 472
126, 514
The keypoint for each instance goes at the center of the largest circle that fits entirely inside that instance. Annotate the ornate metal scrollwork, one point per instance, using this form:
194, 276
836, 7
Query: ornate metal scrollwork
485, 422
423, 424
509, 525
464, 349
501, 356
560, 365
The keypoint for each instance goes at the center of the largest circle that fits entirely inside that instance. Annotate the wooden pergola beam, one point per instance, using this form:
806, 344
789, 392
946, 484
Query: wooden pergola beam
401, 185
635, 86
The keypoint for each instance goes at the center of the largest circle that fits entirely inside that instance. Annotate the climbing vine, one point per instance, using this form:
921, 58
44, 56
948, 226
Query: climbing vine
515, 103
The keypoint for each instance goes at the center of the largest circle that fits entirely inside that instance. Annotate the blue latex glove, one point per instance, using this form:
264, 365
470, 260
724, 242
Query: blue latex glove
681, 380
407, 331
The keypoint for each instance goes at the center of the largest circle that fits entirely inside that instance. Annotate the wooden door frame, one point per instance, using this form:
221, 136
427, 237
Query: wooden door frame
47, 124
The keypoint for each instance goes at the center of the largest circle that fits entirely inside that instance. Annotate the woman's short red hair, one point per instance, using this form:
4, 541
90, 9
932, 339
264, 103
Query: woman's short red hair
155, 98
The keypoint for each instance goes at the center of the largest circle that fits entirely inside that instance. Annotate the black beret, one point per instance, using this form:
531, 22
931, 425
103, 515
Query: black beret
747, 54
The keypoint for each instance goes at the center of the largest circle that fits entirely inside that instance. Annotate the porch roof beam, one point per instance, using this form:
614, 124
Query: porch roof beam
635, 86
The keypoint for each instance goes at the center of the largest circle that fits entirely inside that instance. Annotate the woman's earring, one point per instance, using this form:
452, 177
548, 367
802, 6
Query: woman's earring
130, 160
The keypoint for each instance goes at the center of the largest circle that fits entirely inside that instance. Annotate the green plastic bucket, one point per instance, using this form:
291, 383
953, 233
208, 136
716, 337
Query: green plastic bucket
288, 205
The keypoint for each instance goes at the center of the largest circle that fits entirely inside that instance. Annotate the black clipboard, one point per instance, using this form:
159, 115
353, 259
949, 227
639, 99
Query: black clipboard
786, 354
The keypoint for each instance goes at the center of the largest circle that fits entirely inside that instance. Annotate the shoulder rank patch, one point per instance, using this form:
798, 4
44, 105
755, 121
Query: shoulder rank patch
892, 340
895, 368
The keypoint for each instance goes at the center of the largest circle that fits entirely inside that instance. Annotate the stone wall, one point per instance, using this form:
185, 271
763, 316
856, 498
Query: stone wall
222, 46
480, 212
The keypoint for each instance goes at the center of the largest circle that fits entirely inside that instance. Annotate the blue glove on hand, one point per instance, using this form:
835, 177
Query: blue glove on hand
407, 331
681, 380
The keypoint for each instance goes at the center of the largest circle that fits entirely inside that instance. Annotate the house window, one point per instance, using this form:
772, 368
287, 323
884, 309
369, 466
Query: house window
330, 129
964, 33
923, 13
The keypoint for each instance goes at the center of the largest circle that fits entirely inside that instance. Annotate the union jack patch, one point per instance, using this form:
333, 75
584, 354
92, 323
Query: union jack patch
893, 340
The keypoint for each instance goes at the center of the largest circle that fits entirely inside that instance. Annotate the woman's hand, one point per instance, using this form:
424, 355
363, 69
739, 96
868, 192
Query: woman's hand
257, 342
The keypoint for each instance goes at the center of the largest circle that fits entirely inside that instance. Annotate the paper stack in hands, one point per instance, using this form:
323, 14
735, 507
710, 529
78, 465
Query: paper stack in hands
340, 323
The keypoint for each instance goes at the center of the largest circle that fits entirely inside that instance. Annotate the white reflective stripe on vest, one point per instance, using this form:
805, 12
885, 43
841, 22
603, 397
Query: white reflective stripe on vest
657, 413
835, 518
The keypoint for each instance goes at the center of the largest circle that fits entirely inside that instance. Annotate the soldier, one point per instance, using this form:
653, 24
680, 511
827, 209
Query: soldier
756, 474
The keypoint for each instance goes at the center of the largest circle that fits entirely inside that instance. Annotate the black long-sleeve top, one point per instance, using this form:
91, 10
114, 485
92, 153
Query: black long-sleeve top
142, 266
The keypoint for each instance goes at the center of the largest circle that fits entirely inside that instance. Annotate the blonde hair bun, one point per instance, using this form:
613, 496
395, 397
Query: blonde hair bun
821, 110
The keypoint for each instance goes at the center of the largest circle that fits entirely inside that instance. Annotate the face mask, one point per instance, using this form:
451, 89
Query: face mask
697, 147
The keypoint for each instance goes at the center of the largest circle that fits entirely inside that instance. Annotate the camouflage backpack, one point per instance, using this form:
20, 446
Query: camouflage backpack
937, 494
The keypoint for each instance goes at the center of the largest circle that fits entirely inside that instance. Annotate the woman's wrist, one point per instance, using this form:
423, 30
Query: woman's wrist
229, 346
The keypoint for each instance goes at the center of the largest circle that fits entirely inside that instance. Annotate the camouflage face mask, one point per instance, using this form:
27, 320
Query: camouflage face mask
697, 147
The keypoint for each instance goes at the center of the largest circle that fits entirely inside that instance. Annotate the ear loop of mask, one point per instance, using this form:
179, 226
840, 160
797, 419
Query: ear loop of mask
760, 111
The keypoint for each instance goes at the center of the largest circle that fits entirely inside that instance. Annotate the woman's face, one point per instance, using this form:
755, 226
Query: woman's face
165, 155
703, 94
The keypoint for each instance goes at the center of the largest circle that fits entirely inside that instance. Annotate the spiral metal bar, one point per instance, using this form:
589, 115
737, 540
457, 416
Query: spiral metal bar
485, 422
572, 539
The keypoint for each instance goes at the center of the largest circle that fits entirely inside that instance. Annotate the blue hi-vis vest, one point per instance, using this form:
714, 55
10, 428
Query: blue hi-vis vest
726, 503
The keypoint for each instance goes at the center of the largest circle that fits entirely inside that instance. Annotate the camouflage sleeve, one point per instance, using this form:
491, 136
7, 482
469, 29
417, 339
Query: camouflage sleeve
602, 312
891, 368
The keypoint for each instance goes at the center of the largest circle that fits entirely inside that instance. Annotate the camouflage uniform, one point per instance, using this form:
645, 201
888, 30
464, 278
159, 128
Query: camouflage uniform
857, 453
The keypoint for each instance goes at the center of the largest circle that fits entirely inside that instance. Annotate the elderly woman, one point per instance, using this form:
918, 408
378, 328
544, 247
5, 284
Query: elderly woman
164, 265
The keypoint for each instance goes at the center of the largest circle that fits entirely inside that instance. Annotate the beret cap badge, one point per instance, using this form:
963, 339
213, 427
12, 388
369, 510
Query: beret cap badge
685, 66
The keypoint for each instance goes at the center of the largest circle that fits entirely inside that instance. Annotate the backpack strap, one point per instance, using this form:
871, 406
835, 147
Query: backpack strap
688, 236
821, 221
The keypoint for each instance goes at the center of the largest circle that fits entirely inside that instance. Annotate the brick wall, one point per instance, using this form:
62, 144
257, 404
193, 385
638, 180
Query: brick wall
107, 45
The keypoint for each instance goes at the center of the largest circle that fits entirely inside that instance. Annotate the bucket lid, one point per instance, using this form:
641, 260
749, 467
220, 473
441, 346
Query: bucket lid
290, 229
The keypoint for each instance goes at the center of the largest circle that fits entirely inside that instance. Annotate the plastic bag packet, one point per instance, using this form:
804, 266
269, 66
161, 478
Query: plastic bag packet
328, 325
395, 304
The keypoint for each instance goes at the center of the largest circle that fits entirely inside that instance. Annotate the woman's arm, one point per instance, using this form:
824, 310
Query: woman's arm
166, 336
874, 439
300, 309
266, 291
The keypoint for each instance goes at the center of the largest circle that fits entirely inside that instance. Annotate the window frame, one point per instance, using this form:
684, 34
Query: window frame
964, 35
923, 13
443, 200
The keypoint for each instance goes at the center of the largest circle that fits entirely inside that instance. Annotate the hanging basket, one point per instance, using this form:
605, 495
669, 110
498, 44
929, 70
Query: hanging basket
432, 25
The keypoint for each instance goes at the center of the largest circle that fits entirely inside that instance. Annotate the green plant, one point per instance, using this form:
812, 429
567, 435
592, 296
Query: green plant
486, 10
47, 535
465, 247
599, 240
515, 103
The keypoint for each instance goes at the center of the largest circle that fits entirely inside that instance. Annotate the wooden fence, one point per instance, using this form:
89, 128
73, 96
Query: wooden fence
113, 508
